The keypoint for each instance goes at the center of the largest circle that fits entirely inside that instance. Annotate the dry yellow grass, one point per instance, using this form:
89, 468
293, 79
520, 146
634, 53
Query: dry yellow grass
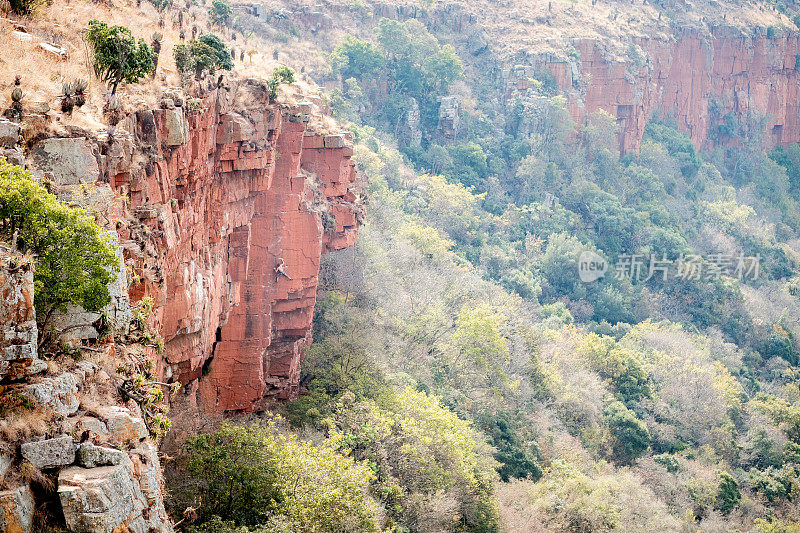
63, 22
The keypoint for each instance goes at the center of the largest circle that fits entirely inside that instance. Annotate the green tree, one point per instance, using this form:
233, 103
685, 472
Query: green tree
518, 459
208, 53
117, 55
621, 367
223, 54
354, 57
470, 166
559, 264
238, 472
789, 159
26, 8
478, 334
254, 475
678, 144
425, 239
445, 68
728, 494
281, 74
394, 37
417, 447
417, 65
220, 12
75, 260
630, 435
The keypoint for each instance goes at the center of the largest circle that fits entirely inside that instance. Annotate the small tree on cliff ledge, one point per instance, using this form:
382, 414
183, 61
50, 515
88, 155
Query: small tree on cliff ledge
117, 55
207, 54
75, 261
280, 75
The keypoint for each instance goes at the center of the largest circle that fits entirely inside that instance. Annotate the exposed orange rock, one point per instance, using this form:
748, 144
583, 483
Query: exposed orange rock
247, 191
695, 78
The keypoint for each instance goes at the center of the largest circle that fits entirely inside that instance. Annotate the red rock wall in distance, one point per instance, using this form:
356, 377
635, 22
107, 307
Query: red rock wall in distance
697, 79
250, 186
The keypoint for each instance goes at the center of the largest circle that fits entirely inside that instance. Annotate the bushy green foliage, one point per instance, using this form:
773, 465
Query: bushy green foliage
220, 12
668, 461
426, 239
679, 146
256, 475
728, 494
414, 62
355, 58
518, 459
418, 447
75, 260
789, 159
622, 368
630, 435
776, 483
674, 378
469, 164
280, 75
25, 8
208, 53
117, 55
479, 338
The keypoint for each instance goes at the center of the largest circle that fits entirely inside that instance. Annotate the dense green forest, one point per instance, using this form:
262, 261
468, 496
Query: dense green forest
464, 378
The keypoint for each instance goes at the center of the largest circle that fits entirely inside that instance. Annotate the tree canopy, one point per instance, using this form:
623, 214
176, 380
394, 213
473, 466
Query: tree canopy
75, 259
117, 54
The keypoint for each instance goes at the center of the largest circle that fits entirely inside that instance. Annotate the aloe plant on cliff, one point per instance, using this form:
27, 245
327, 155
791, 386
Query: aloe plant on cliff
75, 260
117, 54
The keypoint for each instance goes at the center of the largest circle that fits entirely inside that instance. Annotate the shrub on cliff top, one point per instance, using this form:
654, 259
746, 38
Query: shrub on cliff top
208, 53
280, 75
75, 260
220, 12
117, 55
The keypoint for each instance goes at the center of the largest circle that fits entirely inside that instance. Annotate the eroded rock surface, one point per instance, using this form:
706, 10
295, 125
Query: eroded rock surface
18, 331
16, 510
248, 188
697, 79
112, 498
49, 453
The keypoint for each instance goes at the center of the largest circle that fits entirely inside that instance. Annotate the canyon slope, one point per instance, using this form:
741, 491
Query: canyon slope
702, 65
222, 205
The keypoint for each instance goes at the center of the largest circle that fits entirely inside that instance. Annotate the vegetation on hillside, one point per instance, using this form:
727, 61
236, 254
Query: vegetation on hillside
206, 54
464, 377
651, 400
460, 357
117, 55
74, 259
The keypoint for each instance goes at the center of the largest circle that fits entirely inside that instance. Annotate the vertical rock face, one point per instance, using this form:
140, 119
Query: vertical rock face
18, 332
697, 79
253, 187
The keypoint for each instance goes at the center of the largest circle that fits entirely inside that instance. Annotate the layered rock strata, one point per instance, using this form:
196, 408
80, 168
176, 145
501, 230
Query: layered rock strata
240, 201
709, 84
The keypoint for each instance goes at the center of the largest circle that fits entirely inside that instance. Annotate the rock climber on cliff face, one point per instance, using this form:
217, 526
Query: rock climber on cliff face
280, 270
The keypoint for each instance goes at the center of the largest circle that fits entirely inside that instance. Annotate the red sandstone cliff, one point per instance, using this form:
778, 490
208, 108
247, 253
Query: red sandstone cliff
694, 78
239, 186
